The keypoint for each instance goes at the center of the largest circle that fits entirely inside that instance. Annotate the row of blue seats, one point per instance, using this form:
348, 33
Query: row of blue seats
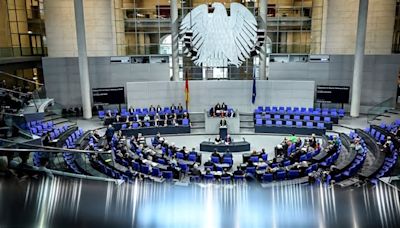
302, 110
326, 119
357, 163
289, 123
40, 128
70, 141
185, 122
139, 111
392, 126
390, 161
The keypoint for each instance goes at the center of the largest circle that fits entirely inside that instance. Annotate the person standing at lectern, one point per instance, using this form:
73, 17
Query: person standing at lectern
222, 122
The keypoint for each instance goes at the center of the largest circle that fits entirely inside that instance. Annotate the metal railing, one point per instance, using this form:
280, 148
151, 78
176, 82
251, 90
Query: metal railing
381, 108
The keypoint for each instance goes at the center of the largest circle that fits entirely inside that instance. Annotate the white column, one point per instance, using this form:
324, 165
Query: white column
359, 58
83, 60
175, 39
263, 25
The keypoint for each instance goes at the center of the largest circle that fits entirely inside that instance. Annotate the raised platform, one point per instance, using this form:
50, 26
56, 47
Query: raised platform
155, 130
289, 130
233, 147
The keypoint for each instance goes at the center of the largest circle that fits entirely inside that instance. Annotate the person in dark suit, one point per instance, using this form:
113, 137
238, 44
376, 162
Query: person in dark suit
47, 140
195, 171
180, 108
152, 108
238, 172
216, 154
109, 133
228, 139
217, 107
222, 122
217, 140
158, 109
224, 107
131, 110
212, 112
173, 107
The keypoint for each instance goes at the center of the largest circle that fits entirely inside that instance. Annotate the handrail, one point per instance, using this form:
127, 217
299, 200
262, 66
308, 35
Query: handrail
46, 149
13, 91
21, 78
380, 108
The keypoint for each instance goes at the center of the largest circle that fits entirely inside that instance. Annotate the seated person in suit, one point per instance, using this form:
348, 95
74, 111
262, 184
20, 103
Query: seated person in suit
152, 108
109, 114
117, 118
217, 140
224, 107
212, 112
208, 163
238, 172
217, 107
146, 118
180, 108
185, 115
231, 114
222, 122
216, 154
131, 110
195, 171
158, 109
225, 173
173, 107
228, 139
140, 123
175, 122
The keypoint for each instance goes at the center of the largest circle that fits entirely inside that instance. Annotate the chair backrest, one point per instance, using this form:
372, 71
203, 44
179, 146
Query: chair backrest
289, 123
279, 122
277, 116
254, 158
267, 177
307, 118
180, 155
286, 117
214, 159
251, 170
185, 122
192, 157
168, 175
296, 117
327, 119
228, 160
258, 121
299, 123
268, 122
310, 124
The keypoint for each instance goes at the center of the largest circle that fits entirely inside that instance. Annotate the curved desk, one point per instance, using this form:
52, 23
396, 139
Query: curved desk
233, 147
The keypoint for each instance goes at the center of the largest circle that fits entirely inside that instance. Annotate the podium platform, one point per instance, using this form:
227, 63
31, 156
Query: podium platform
212, 124
241, 146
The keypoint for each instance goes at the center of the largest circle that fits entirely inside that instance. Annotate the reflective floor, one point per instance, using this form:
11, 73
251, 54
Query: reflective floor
83, 203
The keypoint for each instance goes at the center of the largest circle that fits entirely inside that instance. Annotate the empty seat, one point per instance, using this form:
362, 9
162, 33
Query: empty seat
320, 125
310, 124
268, 122
299, 123
317, 118
258, 121
296, 117
185, 122
277, 116
289, 123
278, 123
280, 175
286, 117
307, 118
327, 119
267, 177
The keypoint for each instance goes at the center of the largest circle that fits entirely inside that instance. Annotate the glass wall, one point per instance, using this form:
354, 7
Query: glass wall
25, 21
143, 28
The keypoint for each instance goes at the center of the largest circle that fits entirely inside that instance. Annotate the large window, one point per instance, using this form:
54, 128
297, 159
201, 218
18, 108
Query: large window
143, 28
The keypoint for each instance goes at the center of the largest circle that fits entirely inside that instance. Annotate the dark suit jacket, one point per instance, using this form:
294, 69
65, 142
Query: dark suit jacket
222, 123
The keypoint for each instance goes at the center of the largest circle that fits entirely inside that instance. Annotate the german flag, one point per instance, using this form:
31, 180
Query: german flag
187, 91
